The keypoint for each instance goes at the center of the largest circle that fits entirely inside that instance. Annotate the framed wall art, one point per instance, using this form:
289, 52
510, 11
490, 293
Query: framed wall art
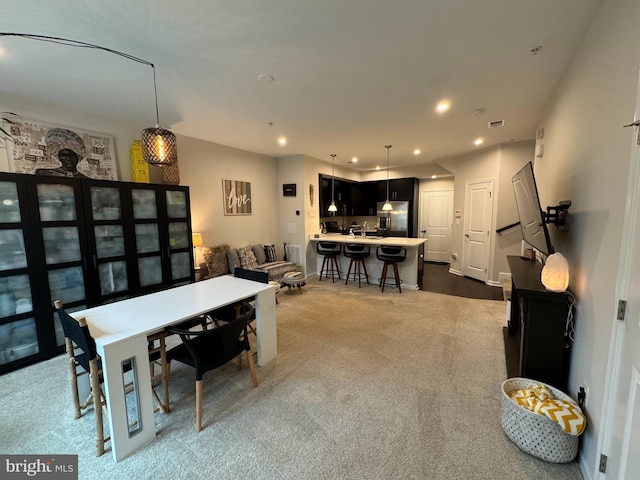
44, 149
237, 197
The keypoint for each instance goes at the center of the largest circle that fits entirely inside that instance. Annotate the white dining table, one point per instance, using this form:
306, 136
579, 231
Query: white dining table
120, 331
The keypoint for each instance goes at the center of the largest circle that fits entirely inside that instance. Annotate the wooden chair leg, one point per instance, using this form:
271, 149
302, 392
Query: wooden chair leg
383, 277
252, 367
198, 405
395, 271
73, 377
332, 263
97, 406
366, 274
349, 271
162, 403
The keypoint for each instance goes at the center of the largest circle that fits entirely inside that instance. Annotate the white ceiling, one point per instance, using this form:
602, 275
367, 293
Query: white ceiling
349, 75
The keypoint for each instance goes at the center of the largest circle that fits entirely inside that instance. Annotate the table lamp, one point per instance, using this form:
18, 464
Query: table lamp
196, 239
555, 273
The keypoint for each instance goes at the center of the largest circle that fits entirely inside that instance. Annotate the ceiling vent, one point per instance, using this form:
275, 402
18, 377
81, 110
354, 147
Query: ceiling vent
496, 124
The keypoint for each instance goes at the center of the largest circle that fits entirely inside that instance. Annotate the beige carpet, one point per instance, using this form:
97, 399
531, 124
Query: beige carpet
365, 386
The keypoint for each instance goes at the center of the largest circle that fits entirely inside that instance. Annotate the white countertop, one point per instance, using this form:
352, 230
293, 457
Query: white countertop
392, 241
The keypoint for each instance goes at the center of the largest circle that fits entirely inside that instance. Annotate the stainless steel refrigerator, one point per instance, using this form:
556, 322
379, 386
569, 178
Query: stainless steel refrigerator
394, 223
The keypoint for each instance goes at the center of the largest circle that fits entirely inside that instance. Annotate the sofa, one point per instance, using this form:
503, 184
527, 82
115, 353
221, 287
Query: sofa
223, 260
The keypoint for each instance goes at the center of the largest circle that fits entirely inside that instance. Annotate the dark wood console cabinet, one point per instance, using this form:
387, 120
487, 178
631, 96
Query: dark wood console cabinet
535, 344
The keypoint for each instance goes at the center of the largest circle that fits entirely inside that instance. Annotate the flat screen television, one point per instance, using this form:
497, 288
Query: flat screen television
532, 221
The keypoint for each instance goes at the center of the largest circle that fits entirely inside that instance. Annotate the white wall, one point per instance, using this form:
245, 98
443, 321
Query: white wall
203, 166
292, 209
586, 159
513, 156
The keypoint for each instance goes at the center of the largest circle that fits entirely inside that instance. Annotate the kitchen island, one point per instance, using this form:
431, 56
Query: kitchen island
410, 270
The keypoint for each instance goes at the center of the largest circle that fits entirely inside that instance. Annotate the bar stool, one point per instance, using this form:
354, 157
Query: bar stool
357, 253
330, 251
391, 256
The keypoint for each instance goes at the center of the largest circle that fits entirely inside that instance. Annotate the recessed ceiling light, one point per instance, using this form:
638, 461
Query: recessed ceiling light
417, 151
443, 106
434, 176
354, 160
282, 141
378, 167
478, 141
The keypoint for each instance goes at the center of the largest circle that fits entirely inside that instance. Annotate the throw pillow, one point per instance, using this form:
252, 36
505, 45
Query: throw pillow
247, 258
258, 251
270, 253
216, 259
234, 259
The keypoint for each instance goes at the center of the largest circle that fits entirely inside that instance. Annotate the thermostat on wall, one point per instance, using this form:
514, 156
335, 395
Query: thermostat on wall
289, 189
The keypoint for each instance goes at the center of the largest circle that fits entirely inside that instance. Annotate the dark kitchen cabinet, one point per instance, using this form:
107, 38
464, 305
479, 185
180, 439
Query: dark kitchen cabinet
85, 242
338, 189
369, 198
536, 341
400, 189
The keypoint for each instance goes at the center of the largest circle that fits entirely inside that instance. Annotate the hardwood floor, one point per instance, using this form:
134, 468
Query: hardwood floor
438, 279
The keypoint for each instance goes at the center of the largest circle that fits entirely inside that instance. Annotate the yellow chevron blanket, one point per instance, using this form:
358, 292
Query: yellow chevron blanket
537, 398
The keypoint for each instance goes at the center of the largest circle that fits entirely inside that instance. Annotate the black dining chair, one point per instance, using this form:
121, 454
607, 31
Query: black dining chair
84, 360
207, 350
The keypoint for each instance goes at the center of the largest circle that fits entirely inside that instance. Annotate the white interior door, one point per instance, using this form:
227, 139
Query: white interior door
624, 453
477, 229
436, 215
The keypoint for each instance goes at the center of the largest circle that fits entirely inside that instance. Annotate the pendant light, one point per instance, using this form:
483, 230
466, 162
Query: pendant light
332, 207
158, 145
387, 205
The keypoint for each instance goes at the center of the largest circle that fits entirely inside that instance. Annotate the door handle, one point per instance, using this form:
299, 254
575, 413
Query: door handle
466, 235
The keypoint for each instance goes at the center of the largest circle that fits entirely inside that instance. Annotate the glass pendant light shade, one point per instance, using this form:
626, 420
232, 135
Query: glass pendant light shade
332, 208
387, 207
159, 146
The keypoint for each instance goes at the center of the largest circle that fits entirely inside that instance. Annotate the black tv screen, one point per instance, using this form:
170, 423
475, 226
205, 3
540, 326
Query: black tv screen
532, 224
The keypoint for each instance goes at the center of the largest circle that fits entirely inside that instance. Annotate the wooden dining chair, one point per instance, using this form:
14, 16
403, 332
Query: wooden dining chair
205, 350
84, 360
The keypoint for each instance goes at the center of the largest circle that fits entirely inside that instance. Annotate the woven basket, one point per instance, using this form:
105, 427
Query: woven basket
534, 433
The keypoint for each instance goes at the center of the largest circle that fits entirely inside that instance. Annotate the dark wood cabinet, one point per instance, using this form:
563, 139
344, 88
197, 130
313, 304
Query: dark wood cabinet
536, 342
85, 242
400, 189
361, 198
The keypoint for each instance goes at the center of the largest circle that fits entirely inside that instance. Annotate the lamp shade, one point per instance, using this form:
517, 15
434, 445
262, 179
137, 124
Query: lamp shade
555, 273
332, 207
196, 238
159, 146
387, 207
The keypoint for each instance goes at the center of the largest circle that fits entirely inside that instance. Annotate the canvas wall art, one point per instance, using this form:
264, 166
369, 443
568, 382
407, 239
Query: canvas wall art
43, 149
236, 197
